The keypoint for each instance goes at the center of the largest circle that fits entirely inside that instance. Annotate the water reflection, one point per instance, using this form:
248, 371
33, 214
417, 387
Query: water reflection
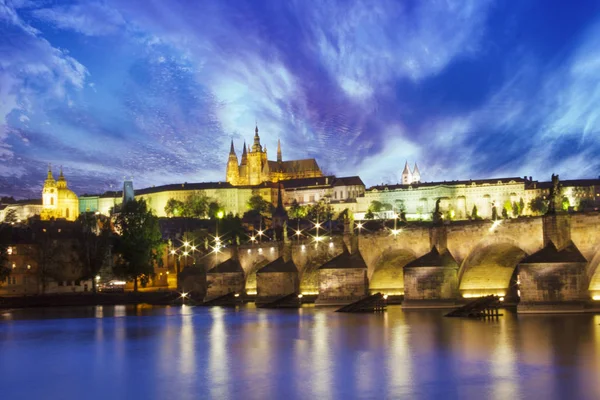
216, 353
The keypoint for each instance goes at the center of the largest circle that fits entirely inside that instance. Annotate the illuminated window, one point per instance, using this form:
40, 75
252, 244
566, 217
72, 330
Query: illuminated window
9, 251
51, 201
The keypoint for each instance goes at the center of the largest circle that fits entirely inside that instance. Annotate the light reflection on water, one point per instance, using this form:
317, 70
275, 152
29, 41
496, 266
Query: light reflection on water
202, 353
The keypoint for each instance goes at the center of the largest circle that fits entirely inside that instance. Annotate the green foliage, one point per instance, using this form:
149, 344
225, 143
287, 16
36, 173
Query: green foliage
195, 206
319, 211
10, 216
521, 206
565, 204
296, 211
94, 244
258, 204
400, 206
5, 270
215, 210
508, 206
369, 215
376, 206
504, 212
140, 243
516, 210
174, 208
538, 205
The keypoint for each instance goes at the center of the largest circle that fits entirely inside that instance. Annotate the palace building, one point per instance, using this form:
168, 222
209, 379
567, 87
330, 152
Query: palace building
255, 168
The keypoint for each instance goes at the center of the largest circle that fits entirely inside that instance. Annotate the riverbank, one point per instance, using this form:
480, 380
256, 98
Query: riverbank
90, 299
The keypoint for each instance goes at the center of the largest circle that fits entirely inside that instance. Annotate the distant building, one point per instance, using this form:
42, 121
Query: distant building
57, 200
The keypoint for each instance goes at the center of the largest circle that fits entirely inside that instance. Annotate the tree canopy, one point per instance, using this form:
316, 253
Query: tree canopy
140, 244
258, 204
94, 244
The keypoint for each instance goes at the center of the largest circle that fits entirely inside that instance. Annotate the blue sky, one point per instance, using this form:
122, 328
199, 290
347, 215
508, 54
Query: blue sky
155, 90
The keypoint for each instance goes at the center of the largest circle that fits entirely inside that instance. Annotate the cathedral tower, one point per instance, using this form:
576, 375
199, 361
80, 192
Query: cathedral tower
57, 200
416, 174
406, 175
232, 173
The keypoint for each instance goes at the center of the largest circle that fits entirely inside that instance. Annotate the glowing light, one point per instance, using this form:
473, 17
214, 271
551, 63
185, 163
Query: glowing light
194, 248
249, 251
259, 233
183, 295
309, 293
272, 249
252, 238
298, 233
236, 295
28, 266
186, 244
501, 299
596, 298
220, 214
252, 292
395, 232
300, 296
330, 244
359, 225
185, 253
260, 250
167, 272
318, 238
317, 225
303, 247
385, 296
97, 278
173, 252
477, 295
495, 224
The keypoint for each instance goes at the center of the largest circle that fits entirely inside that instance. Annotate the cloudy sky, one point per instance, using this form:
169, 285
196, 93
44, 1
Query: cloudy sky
156, 89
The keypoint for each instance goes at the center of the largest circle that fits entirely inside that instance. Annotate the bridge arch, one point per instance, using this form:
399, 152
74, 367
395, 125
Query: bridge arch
388, 271
593, 273
490, 268
258, 263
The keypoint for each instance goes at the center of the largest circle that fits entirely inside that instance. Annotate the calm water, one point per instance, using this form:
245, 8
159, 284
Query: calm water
199, 353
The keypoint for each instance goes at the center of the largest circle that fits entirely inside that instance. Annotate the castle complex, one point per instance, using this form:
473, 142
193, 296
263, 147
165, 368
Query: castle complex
303, 182
255, 168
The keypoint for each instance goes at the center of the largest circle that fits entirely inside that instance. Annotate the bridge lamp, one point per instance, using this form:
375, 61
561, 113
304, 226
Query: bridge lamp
359, 226
331, 245
260, 250
385, 296
185, 253
317, 225
193, 248
260, 233
300, 296
173, 252
252, 239
236, 295
298, 233
501, 299
184, 295
186, 243
220, 214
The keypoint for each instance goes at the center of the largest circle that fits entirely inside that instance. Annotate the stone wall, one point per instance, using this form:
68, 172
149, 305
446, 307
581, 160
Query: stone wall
552, 282
430, 283
342, 285
220, 284
276, 284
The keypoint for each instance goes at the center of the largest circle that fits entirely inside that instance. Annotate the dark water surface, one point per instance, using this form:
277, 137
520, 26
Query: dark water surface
212, 353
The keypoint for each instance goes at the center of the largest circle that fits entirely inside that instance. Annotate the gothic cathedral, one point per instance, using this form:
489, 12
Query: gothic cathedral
254, 167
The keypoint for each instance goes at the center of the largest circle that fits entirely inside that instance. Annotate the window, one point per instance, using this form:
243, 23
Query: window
9, 251
51, 201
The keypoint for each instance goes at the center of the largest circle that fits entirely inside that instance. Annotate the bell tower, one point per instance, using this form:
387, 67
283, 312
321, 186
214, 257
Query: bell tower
233, 172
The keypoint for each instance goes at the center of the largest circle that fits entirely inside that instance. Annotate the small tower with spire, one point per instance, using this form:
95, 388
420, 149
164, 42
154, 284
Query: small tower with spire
232, 174
407, 178
416, 174
279, 157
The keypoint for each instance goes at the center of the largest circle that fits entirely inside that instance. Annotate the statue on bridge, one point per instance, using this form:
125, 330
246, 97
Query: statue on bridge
555, 196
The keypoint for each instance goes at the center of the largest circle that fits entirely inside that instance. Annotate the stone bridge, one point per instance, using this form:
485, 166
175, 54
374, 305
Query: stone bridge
485, 258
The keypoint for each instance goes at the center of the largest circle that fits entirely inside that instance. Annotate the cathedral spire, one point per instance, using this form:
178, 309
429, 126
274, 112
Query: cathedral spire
232, 150
49, 176
244, 155
279, 157
256, 147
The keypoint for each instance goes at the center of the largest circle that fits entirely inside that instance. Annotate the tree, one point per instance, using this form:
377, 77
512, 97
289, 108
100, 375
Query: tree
515, 209
508, 206
521, 206
475, 213
5, 270
174, 208
319, 211
11, 216
94, 244
215, 210
296, 211
257, 203
538, 206
376, 206
369, 214
140, 243
504, 212
195, 206
565, 203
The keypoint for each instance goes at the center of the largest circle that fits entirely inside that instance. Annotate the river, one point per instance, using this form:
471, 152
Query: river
120, 352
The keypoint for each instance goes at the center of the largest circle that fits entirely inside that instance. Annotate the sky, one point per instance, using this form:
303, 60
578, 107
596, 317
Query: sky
155, 90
